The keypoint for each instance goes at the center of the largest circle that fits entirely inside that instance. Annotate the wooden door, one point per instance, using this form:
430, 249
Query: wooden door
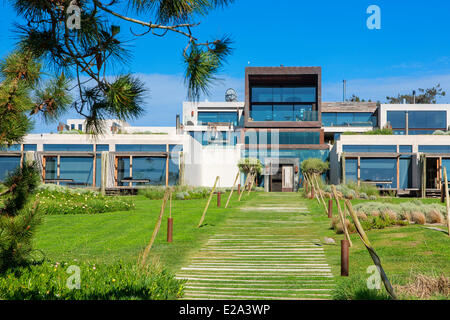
287, 178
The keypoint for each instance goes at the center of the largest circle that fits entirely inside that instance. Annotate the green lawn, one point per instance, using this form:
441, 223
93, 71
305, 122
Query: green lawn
109, 237
122, 235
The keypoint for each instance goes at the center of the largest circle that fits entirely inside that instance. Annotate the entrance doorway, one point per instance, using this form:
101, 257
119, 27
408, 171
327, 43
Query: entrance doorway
432, 173
287, 178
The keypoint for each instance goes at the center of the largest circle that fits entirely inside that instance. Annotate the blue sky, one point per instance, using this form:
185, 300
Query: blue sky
411, 50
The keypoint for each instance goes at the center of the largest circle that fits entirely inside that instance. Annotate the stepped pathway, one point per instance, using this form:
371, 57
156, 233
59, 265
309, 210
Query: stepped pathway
264, 250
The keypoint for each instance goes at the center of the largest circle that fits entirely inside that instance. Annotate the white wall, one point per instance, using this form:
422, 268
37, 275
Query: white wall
206, 163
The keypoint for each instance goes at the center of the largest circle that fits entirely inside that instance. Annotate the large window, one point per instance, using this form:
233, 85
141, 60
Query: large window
434, 149
283, 103
73, 171
68, 147
351, 170
141, 147
381, 171
284, 137
369, 148
217, 117
348, 119
8, 165
284, 94
427, 119
419, 122
149, 170
283, 112
78, 169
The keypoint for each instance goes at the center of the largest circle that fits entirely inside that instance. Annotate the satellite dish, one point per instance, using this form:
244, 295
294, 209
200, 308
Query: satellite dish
230, 95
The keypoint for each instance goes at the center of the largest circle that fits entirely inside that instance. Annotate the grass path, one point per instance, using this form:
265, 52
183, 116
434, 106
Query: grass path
267, 249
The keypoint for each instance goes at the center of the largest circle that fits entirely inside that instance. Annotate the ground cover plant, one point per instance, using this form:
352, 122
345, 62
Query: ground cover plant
56, 200
116, 281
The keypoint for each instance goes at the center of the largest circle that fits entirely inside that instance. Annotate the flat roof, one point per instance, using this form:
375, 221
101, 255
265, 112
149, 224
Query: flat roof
348, 106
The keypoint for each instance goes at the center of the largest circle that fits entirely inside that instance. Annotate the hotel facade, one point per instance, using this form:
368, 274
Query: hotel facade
282, 121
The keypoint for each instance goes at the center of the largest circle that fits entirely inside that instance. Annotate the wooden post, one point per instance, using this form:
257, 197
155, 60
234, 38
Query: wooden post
330, 208
170, 221
232, 189
424, 177
155, 231
167, 165
320, 194
447, 199
239, 188
344, 258
218, 199
442, 194
207, 204
251, 183
341, 215
372, 252
245, 184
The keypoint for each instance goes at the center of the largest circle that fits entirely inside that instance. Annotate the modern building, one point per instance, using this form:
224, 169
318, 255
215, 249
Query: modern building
282, 121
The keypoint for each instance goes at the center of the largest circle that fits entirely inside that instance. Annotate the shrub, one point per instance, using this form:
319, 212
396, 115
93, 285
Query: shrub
363, 195
62, 200
372, 198
314, 166
48, 281
248, 165
434, 216
418, 217
361, 216
181, 192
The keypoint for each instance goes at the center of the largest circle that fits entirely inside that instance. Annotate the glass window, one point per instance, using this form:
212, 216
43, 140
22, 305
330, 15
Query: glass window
214, 117
419, 132
261, 113
427, 119
29, 147
299, 137
446, 165
283, 113
72, 126
305, 94
369, 148
405, 173
380, 170
397, 119
284, 94
152, 168
13, 147
80, 169
434, 149
123, 170
262, 94
351, 170
80, 127
304, 113
102, 147
405, 149
98, 170
7, 166
329, 119
68, 147
140, 147
51, 164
